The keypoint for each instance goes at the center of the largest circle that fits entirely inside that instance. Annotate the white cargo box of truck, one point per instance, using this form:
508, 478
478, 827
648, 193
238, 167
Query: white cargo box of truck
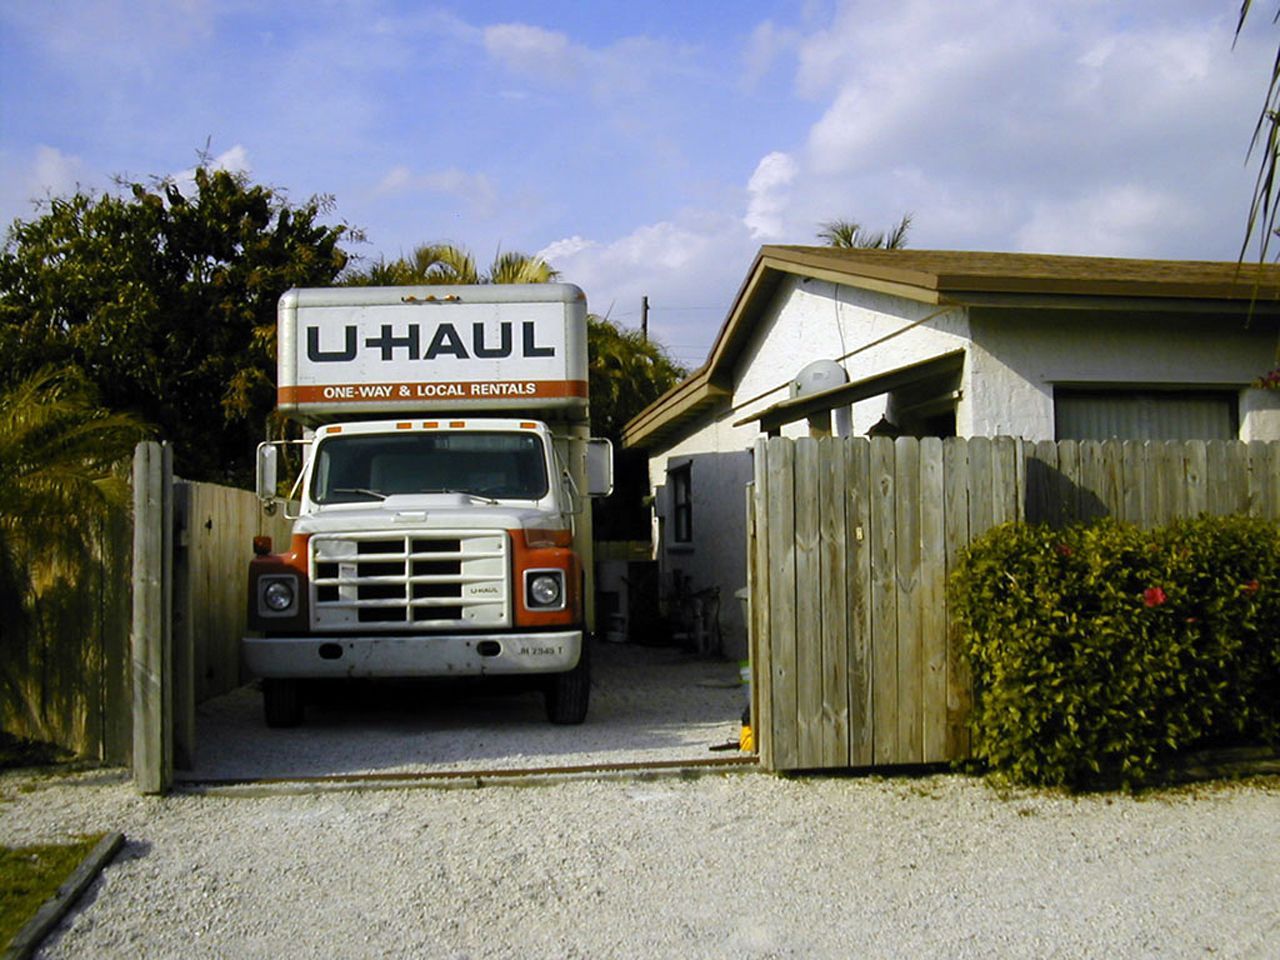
442, 527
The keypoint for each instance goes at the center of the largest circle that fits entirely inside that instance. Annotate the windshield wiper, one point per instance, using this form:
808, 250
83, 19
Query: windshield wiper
464, 493
363, 491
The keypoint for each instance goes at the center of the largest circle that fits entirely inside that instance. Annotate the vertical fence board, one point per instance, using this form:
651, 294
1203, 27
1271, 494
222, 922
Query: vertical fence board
808, 606
1132, 488
151, 654
1196, 481
833, 555
981, 510
933, 609
1006, 504
956, 489
858, 550
782, 602
761, 604
884, 603
906, 482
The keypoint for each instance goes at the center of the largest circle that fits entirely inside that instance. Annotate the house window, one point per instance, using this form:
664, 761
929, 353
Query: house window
1145, 414
681, 504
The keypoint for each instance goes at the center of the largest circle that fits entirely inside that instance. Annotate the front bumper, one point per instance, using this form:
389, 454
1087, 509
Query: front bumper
428, 655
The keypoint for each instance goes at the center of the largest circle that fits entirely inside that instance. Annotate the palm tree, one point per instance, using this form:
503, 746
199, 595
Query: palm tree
848, 234
58, 456
627, 372
434, 263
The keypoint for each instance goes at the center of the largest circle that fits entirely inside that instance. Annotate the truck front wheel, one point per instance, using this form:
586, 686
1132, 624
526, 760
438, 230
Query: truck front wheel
568, 693
282, 702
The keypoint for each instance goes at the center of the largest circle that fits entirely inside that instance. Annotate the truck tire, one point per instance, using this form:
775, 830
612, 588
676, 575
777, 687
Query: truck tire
568, 693
282, 702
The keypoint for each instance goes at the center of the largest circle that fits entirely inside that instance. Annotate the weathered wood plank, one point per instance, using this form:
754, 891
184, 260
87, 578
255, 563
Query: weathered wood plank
1006, 499
884, 603
981, 508
933, 609
782, 603
1044, 484
761, 598
1133, 489
808, 606
858, 550
906, 481
151, 638
1234, 479
834, 580
1196, 479
959, 693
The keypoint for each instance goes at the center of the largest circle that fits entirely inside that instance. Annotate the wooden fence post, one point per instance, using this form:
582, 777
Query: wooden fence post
152, 607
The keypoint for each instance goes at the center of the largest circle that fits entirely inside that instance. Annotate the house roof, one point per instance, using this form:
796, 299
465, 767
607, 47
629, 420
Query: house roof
956, 278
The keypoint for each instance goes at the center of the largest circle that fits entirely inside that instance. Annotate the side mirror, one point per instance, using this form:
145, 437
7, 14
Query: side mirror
599, 468
268, 475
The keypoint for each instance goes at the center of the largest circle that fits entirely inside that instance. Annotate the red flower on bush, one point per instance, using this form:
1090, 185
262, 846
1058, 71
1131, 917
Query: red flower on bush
1064, 550
1250, 588
1153, 596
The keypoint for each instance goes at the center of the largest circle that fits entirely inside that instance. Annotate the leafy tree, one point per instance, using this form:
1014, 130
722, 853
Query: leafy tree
849, 235
59, 451
443, 263
168, 304
627, 372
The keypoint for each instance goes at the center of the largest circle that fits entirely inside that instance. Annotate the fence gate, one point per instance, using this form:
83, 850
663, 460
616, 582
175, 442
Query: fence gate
850, 541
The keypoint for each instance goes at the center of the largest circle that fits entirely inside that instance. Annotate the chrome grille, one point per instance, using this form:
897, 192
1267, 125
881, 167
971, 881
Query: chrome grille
417, 580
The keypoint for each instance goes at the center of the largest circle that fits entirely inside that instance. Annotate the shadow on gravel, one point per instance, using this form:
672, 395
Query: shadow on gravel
647, 704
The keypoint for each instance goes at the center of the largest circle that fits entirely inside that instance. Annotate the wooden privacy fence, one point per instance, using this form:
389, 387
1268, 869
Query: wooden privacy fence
151, 611
850, 544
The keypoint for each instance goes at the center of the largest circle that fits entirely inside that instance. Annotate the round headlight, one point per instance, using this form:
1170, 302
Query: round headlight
544, 589
278, 595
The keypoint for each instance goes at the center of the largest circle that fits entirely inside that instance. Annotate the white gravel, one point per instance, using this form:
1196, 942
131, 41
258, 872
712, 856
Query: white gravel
653, 704
724, 865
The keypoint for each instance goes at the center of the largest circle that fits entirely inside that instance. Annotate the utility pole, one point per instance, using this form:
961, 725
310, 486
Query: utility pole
644, 317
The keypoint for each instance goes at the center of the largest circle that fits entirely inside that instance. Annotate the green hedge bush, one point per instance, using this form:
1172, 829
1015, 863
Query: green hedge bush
1107, 649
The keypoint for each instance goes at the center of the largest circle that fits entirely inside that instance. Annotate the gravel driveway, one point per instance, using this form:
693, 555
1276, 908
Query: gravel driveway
648, 704
726, 864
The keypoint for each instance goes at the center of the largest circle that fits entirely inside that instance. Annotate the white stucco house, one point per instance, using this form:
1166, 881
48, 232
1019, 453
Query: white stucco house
947, 343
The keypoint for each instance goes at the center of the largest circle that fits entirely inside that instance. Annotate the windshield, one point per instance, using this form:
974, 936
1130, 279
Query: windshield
373, 466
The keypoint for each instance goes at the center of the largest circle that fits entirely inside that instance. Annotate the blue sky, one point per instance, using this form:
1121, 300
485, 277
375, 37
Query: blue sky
651, 148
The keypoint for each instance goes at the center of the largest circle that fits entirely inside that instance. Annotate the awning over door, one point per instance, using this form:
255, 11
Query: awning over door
945, 367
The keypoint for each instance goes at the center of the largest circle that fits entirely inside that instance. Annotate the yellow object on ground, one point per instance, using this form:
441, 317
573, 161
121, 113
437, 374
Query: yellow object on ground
746, 739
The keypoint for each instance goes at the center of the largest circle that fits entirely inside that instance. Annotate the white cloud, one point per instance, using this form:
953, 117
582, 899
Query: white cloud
112, 35
768, 192
1130, 220
54, 172
998, 123
475, 189
565, 249
30, 177
675, 263
768, 44
544, 54
234, 160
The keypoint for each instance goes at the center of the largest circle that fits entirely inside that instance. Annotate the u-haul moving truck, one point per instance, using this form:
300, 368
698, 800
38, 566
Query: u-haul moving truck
442, 527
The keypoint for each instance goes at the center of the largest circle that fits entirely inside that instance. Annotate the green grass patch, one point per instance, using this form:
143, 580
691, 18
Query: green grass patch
31, 875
